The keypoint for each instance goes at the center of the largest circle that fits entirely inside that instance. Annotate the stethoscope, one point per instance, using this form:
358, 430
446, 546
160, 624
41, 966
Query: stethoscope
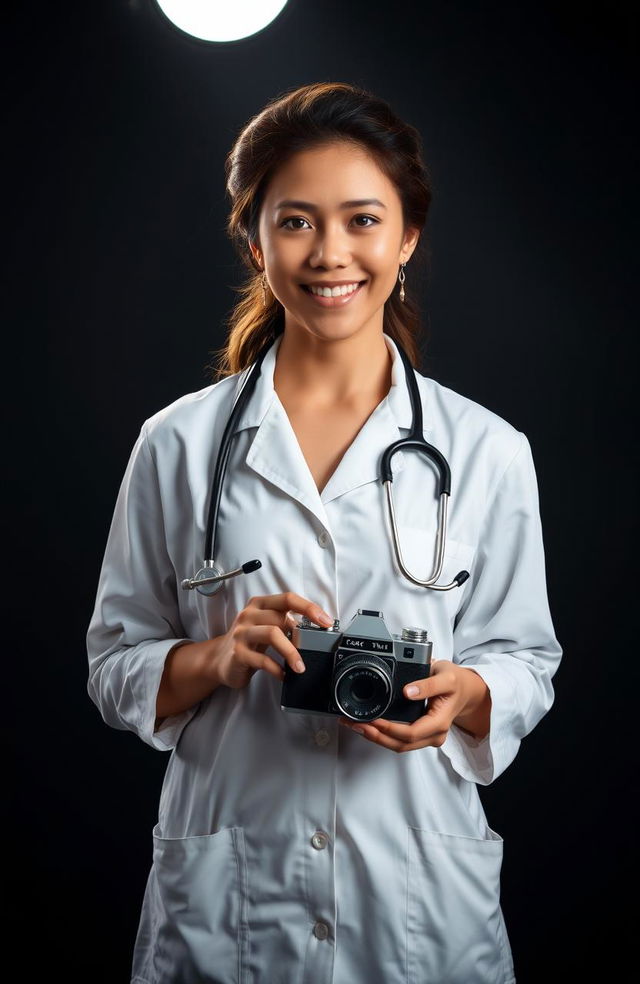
210, 578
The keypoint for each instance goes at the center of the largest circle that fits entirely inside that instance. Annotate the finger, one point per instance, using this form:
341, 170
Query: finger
383, 733
427, 729
290, 601
423, 730
443, 681
272, 635
268, 616
394, 729
260, 661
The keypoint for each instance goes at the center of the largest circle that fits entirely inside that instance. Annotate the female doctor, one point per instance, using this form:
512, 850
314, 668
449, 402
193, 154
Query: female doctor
297, 847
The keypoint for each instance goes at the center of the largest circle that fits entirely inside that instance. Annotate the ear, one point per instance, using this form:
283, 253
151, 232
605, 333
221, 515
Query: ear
256, 253
409, 243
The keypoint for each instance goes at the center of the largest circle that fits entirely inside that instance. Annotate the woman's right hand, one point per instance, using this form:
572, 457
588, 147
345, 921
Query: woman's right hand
262, 623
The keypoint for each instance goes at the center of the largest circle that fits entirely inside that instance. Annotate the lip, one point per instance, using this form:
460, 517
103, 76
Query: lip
332, 283
330, 302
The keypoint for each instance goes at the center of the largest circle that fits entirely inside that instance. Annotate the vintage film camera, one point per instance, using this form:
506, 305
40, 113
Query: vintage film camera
358, 674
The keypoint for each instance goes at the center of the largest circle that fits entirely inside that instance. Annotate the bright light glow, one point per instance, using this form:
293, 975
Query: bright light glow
221, 20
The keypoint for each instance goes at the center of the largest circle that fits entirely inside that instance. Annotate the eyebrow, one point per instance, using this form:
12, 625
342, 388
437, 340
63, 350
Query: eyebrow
310, 207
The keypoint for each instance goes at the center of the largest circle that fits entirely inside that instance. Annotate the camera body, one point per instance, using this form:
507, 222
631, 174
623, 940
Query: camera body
357, 674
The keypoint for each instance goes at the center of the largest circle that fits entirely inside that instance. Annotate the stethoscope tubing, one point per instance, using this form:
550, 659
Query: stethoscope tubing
209, 576
225, 446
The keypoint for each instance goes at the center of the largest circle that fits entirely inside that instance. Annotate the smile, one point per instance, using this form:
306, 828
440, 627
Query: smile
333, 296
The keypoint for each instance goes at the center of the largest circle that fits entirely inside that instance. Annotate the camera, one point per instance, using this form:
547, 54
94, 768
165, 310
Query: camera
358, 674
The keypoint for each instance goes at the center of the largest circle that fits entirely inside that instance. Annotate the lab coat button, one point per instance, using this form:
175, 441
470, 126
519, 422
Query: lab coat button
324, 539
319, 840
321, 930
322, 737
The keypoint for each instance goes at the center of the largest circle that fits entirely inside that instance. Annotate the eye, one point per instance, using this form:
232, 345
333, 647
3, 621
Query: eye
370, 217
298, 218
293, 218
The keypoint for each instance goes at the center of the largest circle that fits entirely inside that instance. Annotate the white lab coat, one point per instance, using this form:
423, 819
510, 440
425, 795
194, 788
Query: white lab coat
287, 848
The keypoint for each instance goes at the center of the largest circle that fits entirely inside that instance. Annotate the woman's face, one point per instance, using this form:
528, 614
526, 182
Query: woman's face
324, 236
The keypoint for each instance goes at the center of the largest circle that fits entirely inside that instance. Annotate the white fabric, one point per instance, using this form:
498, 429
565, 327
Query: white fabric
403, 888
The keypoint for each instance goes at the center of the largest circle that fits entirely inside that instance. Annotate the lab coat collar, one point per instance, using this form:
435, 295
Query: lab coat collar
276, 454
264, 393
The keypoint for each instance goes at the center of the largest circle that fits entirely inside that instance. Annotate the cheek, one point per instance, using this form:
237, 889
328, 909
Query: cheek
282, 255
383, 263
384, 282
283, 275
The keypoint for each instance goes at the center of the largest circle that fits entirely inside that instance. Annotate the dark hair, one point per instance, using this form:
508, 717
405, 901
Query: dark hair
306, 117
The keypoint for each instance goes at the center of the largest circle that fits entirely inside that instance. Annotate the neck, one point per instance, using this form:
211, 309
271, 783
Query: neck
319, 372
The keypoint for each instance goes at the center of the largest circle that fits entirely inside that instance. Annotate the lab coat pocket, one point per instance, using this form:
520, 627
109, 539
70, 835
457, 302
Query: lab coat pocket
202, 932
455, 928
417, 546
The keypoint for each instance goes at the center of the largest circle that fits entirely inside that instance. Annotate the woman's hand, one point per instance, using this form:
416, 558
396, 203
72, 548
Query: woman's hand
262, 623
456, 695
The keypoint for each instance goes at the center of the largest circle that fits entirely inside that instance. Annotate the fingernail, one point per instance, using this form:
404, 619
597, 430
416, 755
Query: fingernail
300, 666
412, 690
326, 618
358, 731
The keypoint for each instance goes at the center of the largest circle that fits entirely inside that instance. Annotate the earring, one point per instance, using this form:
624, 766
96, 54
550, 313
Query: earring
402, 277
264, 289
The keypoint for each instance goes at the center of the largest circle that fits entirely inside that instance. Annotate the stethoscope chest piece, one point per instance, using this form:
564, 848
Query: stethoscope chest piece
210, 578
208, 573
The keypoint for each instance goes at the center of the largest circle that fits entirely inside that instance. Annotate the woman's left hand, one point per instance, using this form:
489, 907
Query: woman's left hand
456, 694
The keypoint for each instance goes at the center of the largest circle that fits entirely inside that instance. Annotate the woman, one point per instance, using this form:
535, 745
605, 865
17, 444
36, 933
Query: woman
294, 846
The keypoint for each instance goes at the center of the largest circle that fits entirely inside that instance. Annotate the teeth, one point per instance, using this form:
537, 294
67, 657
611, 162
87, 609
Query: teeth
334, 291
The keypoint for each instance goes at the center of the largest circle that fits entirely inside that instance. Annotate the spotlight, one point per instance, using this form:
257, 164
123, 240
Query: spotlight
221, 20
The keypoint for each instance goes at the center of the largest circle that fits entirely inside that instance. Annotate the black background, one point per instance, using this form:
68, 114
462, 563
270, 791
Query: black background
117, 279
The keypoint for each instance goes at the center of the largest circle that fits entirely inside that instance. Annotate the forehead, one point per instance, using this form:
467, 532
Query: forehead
329, 174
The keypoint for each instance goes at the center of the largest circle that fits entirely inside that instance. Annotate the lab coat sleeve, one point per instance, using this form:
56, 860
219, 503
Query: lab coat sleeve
503, 630
136, 620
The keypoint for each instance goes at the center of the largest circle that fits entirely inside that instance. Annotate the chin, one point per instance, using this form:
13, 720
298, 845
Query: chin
336, 331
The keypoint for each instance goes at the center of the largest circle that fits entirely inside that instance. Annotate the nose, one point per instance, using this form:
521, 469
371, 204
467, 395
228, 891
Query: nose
330, 248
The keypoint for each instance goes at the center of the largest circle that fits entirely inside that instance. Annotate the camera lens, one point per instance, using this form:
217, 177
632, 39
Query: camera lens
362, 687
